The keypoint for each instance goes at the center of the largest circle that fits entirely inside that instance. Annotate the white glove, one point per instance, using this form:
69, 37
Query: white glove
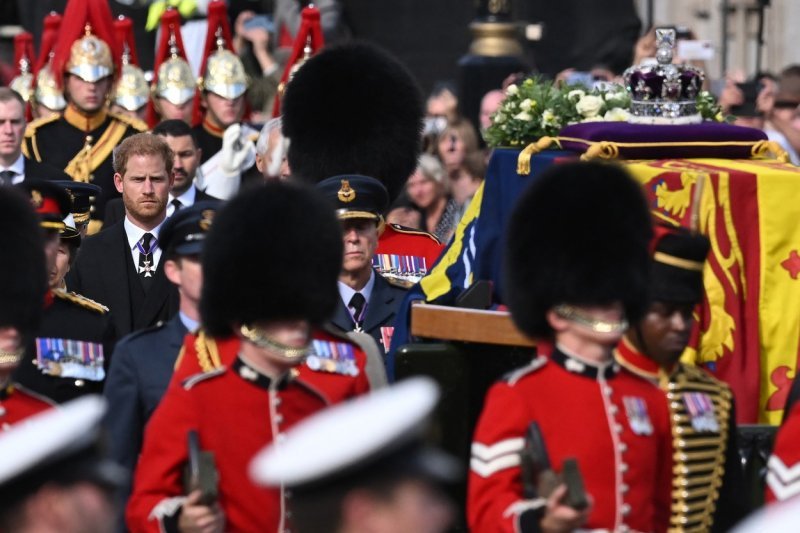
238, 152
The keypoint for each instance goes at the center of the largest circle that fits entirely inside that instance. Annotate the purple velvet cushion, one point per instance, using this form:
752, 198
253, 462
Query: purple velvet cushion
652, 141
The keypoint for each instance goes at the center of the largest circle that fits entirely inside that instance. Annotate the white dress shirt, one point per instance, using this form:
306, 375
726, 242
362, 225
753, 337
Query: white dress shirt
347, 292
18, 168
135, 234
186, 199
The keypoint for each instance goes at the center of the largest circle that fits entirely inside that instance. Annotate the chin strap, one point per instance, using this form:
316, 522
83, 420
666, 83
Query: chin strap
11, 357
597, 325
260, 339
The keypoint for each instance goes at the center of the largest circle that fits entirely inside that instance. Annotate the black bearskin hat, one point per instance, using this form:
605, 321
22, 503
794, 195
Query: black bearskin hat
23, 275
578, 235
676, 273
353, 109
274, 252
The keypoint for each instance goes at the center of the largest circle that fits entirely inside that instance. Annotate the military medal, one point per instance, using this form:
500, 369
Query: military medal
147, 259
638, 419
407, 269
701, 412
70, 358
332, 357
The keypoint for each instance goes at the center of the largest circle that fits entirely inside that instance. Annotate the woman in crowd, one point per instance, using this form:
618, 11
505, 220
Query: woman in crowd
428, 188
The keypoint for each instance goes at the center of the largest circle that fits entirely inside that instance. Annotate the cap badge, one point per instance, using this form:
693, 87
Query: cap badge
208, 218
36, 198
346, 193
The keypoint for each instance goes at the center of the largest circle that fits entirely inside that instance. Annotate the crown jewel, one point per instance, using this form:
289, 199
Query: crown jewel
664, 93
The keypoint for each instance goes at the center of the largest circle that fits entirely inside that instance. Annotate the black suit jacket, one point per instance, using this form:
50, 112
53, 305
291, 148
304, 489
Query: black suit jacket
35, 170
381, 309
115, 209
105, 273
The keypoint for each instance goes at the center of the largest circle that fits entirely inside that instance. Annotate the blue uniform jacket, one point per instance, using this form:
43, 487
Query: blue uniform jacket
141, 368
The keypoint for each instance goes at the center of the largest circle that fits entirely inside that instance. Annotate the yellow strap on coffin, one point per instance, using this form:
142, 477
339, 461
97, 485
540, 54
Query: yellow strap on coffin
610, 149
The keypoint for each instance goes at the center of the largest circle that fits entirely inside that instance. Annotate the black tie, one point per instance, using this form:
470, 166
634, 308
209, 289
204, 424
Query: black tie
146, 266
7, 177
358, 304
176, 204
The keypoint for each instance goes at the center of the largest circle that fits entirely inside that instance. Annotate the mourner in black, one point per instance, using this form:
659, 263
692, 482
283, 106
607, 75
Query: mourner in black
14, 166
121, 266
69, 355
143, 361
368, 300
187, 153
81, 139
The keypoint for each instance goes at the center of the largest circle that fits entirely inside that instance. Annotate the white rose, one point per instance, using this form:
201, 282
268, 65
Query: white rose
597, 118
511, 90
616, 114
589, 106
575, 95
499, 118
524, 115
526, 104
549, 119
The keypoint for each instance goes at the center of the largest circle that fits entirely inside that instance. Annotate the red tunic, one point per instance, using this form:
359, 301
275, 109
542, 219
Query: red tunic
236, 411
398, 240
783, 467
585, 412
18, 403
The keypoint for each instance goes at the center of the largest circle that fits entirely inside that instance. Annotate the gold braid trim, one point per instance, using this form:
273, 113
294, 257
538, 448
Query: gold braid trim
611, 149
524, 158
770, 149
703, 478
91, 155
207, 352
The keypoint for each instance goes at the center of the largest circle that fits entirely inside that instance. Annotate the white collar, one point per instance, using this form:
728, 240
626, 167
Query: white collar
347, 292
18, 167
135, 233
187, 198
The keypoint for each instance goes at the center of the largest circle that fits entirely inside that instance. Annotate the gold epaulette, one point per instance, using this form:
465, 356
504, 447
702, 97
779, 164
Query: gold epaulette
83, 301
130, 121
207, 352
30, 129
402, 229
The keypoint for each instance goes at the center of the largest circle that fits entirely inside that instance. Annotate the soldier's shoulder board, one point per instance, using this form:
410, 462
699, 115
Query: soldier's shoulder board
143, 332
191, 381
409, 231
513, 377
82, 301
34, 394
135, 123
30, 129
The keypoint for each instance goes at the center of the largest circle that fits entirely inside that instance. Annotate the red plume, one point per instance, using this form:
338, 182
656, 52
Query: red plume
77, 15
310, 33
217, 20
23, 51
170, 26
123, 30
660, 230
52, 23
